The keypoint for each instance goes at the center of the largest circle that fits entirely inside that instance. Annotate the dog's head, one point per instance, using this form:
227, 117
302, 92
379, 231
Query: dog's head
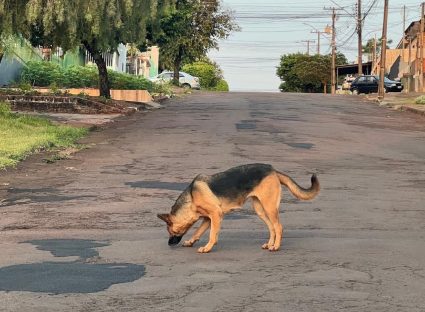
176, 227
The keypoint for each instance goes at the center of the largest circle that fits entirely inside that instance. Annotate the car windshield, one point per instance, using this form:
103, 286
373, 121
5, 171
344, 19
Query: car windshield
386, 79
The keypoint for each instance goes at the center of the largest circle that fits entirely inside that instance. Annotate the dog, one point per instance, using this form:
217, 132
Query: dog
210, 197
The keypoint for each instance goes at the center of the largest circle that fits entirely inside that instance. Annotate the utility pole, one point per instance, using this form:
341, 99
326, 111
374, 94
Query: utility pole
381, 90
374, 55
333, 67
359, 33
421, 56
403, 38
333, 78
319, 33
308, 45
409, 77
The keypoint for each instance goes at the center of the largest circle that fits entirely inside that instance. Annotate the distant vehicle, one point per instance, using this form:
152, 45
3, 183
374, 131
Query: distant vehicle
370, 84
186, 80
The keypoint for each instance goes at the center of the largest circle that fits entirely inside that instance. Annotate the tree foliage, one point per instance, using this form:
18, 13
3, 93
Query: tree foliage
12, 21
209, 73
306, 73
99, 25
190, 30
368, 47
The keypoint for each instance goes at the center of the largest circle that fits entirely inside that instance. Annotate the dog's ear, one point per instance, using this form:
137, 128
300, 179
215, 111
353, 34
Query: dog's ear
165, 217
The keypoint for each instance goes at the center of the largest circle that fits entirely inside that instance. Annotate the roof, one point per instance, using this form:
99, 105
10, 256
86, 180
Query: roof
411, 31
353, 68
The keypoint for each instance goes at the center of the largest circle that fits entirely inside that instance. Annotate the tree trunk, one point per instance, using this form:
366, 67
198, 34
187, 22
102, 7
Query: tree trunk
1, 56
176, 77
104, 87
177, 64
325, 84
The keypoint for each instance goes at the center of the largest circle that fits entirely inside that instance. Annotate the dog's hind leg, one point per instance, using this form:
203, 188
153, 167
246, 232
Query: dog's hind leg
261, 213
271, 207
198, 233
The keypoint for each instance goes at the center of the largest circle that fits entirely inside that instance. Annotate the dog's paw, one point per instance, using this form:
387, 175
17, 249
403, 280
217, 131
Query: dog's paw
204, 249
273, 248
188, 243
265, 246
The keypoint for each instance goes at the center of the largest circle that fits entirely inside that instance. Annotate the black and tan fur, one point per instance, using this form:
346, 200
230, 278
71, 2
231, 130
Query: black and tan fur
210, 197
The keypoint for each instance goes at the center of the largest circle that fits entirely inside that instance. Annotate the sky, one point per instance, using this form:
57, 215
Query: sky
272, 28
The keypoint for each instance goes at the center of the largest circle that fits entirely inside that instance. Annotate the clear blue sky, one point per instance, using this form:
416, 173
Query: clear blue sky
271, 28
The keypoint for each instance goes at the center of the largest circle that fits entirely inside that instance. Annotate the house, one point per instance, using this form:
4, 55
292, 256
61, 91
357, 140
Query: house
405, 61
143, 63
116, 61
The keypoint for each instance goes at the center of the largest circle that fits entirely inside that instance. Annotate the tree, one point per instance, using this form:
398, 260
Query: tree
100, 26
12, 21
285, 71
190, 30
368, 47
306, 73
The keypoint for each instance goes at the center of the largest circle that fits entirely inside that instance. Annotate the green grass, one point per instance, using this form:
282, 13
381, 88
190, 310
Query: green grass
21, 135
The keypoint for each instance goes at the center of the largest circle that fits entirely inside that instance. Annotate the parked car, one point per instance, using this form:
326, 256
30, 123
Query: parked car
370, 84
186, 80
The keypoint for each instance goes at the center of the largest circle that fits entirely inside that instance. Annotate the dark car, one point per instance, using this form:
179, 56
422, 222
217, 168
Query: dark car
370, 84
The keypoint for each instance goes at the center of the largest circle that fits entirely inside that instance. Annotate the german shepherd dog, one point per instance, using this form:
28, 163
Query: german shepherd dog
210, 197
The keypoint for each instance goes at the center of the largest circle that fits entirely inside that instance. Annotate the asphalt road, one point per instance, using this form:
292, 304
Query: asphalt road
82, 234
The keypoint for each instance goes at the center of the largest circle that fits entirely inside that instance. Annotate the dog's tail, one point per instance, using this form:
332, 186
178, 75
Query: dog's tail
297, 190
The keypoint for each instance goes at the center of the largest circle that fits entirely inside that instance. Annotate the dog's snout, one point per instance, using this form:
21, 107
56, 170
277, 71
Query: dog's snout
174, 240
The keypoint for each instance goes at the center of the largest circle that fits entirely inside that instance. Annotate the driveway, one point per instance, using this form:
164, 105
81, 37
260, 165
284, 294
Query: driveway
82, 234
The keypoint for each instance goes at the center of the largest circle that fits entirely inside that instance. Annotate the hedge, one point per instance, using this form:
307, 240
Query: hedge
45, 74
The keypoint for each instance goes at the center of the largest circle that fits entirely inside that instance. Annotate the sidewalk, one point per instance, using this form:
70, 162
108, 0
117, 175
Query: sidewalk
401, 101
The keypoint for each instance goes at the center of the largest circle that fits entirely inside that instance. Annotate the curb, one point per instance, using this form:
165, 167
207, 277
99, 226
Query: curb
413, 110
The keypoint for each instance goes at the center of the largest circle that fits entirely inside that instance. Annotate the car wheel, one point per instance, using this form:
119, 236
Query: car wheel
186, 86
386, 90
356, 92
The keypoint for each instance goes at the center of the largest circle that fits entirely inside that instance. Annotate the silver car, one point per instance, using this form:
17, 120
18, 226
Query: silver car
186, 80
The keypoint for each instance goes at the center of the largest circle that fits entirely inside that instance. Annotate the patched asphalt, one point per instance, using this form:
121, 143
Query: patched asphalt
82, 234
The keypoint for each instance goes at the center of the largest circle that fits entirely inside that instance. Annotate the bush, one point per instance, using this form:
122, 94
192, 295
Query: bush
45, 74
209, 74
80, 77
42, 74
222, 86
4, 109
122, 81
420, 100
162, 88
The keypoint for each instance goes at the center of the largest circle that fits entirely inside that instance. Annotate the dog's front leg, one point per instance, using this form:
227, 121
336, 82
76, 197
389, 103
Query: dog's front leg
198, 233
216, 217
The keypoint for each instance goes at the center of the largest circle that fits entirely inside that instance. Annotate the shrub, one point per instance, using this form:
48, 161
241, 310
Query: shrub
222, 86
122, 81
5, 109
420, 100
25, 87
209, 74
162, 88
42, 74
81, 77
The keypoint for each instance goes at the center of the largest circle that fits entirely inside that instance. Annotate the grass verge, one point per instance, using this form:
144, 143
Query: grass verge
21, 135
